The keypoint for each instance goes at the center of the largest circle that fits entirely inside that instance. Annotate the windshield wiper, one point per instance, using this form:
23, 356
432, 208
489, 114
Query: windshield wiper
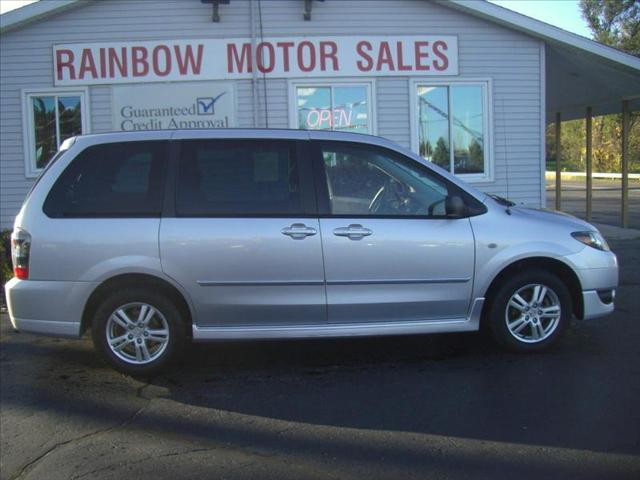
502, 200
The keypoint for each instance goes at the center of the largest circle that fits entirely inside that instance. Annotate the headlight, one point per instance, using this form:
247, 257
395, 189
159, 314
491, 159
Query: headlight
592, 239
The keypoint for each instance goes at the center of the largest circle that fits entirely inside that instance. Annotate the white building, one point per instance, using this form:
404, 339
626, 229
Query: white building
466, 83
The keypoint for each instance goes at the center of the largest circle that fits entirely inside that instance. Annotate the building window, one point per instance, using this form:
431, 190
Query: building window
51, 118
452, 127
345, 107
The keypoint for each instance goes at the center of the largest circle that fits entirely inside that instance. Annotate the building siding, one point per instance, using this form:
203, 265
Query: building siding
510, 59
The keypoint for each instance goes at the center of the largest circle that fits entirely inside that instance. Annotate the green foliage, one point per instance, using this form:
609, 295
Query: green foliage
607, 145
441, 154
6, 270
426, 149
476, 154
614, 22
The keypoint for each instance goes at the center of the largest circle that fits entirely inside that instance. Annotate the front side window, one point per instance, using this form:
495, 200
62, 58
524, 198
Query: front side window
111, 180
52, 118
243, 178
452, 127
370, 181
333, 107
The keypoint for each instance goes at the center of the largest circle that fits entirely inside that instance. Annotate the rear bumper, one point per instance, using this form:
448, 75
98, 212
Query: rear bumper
47, 307
46, 327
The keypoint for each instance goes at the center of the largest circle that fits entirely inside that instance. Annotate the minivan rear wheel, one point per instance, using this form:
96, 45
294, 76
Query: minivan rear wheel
138, 331
529, 311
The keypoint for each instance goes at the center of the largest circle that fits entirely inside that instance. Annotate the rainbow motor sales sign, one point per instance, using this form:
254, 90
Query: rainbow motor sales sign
286, 57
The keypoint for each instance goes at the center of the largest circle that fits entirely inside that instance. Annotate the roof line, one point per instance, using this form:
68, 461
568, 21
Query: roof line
478, 8
539, 29
32, 12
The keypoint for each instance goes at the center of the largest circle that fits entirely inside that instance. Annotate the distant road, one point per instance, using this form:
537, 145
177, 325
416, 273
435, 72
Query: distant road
606, 200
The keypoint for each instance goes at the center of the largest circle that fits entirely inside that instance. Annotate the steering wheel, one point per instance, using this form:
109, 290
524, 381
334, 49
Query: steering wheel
376, 202
384, 197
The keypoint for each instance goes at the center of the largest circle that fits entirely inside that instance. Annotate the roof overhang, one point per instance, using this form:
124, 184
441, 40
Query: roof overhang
33, 12
580, 73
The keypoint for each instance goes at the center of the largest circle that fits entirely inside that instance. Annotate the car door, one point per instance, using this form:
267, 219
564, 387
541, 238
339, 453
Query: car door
391, 253
244, 240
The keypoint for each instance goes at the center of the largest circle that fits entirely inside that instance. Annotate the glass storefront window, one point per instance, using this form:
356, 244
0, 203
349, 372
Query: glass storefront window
433, 108
468, 129
334, 107
451, 126
44, 126
53, 119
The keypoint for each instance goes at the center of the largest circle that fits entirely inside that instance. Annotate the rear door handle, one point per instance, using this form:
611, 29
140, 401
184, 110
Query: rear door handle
298, 231
354, 231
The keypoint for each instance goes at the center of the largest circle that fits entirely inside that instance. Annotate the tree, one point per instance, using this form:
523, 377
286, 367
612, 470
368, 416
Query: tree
441, 154
426, 149
476, 155
614, 22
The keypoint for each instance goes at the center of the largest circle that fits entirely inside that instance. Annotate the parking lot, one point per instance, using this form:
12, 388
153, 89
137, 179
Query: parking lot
447, 406
606, 200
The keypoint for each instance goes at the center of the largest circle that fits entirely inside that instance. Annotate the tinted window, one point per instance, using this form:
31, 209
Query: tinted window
365, 180
220, 177
111, 180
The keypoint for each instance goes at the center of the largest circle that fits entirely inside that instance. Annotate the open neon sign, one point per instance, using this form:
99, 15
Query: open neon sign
318, 118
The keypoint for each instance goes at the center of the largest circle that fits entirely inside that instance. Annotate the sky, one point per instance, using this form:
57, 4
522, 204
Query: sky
561, 13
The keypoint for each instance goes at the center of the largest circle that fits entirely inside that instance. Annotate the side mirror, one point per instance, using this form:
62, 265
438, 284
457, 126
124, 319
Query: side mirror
455, 207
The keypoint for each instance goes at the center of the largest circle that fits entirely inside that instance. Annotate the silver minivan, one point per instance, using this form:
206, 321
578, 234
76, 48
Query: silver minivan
153, 239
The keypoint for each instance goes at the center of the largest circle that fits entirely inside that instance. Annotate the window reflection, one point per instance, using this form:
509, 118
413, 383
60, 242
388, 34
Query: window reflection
452, 117
434, 125
343, 107
52, 126
314, 105
468, 136
350, 109
44, 119
69, 117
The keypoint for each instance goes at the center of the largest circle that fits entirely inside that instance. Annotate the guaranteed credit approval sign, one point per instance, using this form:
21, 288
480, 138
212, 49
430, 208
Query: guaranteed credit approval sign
215, 59
162, 106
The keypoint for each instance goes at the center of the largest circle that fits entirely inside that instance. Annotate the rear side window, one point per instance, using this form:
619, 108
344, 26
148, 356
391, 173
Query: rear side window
229, 177
111, 180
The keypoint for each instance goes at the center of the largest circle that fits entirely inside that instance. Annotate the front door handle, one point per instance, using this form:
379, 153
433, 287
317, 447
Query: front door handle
298, 231
354, 231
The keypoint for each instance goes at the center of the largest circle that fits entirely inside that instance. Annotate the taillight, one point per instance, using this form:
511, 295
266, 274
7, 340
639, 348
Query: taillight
20, 246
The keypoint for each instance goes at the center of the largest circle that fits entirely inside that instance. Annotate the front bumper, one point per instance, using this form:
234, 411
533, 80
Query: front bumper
597, 271
47, 307
594, 306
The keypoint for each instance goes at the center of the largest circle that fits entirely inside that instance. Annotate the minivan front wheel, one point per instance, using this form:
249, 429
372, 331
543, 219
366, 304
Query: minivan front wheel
530, 311
138, 331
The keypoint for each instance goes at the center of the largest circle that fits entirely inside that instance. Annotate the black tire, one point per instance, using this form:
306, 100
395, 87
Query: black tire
497, 313
168, 312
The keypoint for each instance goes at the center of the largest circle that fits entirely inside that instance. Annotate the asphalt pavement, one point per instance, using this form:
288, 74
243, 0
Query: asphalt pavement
606, 200
444, 406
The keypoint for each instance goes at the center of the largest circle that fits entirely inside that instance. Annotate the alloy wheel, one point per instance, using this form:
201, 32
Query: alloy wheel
137, 333
533, 313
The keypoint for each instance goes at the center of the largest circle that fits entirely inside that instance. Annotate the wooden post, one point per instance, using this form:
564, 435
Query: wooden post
589, 161
558, 176
625, 164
